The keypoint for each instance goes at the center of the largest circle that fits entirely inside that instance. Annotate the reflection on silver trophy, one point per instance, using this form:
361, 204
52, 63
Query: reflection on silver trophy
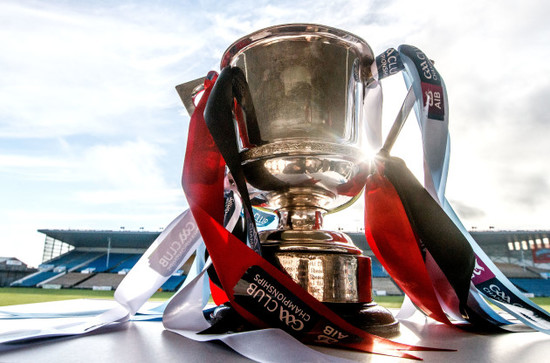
303, 152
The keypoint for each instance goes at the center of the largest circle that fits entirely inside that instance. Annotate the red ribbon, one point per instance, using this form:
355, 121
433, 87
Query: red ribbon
391, 238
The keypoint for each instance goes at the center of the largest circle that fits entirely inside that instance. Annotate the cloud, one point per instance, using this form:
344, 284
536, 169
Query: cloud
92, 132
74, 71
128, 173
126, 165
467, 212
37, 168
27, 162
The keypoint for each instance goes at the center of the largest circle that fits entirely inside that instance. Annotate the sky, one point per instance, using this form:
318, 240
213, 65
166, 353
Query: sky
93, 133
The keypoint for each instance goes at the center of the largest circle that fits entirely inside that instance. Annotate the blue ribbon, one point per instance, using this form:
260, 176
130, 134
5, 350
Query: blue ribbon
432, 113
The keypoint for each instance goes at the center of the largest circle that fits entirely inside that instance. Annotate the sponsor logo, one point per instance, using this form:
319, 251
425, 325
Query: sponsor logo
502, 294
481, 272
272, 302
430, 81
426, 67
388, 63
263, 219
478, 269
541, 255
499, 293
167, 257
272, 305
331, 335
433, 99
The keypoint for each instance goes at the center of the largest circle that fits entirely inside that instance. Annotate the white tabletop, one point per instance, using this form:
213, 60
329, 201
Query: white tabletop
147, 341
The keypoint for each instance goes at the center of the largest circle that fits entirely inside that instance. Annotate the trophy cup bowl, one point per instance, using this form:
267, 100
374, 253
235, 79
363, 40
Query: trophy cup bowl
303, 154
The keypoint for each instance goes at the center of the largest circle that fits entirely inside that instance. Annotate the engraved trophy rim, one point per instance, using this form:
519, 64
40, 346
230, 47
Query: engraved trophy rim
300, 146
301, 30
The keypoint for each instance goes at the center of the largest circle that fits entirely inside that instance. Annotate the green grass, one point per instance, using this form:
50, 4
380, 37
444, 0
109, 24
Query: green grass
394, 302
390, 302
543, 302
21, 295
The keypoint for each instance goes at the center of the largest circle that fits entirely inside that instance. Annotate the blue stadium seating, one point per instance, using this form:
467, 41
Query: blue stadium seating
173, 283
100, 264
64, 259
377, 269
69, 261
127, 263
538, 287
73, 259
35, 279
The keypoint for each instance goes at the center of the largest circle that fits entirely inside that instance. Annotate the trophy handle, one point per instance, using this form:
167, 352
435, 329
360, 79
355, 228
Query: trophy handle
345, 205
188, 90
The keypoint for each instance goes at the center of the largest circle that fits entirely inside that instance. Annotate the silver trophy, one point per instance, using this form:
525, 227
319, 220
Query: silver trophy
304, 155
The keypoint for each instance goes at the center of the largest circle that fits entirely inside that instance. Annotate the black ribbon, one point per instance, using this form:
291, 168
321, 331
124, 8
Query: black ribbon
436, 231
218, 114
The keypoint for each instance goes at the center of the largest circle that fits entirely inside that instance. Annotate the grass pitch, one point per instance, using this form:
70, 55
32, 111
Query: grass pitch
22, 295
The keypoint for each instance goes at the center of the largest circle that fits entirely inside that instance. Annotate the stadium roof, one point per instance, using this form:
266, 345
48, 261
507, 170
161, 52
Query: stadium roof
94, 238
483, 238
497, 237
143, 239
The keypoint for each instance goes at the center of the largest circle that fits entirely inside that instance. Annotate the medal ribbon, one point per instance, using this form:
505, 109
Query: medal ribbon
441, 248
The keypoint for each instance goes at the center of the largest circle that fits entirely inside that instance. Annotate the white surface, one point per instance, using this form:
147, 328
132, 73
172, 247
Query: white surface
147, 341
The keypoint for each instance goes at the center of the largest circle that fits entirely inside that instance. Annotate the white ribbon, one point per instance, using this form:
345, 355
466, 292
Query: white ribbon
171, 248
183, 312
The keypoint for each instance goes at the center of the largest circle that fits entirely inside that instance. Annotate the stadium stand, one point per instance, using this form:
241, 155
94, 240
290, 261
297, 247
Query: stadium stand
102, 281
12, 269
100, 259
74, 259
516, 271
69, 279
56, 267
127, 264
377, 269
105, 262
95, 259
537, 287
385, 286
173, 283
34, 279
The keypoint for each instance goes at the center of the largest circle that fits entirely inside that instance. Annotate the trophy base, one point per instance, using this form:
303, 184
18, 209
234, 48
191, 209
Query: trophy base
328, 266
369, 317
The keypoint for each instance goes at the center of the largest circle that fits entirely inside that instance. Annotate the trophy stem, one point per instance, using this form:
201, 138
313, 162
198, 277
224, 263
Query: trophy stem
301, 219
328, 266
